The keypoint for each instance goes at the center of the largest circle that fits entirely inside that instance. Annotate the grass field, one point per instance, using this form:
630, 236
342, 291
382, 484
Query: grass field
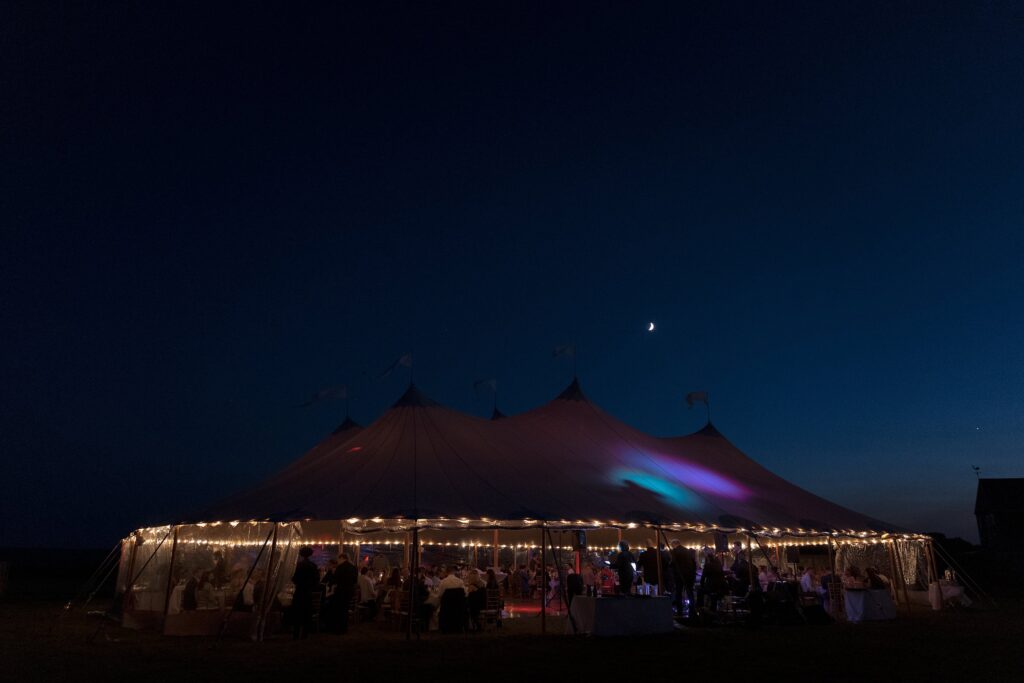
37, 645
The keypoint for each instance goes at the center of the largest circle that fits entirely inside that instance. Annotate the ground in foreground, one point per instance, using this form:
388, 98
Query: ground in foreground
37, 643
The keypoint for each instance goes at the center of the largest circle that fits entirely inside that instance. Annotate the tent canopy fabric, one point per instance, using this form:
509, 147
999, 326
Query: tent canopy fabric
567, 461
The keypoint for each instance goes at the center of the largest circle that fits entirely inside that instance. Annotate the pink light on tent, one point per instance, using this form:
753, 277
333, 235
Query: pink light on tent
700, 478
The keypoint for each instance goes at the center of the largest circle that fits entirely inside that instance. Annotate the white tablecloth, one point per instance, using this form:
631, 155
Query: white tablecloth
869, 605
620, 616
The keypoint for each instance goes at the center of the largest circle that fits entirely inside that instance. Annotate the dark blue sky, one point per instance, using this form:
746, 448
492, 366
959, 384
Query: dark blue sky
208, 213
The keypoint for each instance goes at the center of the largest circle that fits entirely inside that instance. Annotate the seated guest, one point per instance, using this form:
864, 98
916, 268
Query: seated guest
491, 579
423, 605
875, 580
807, 581
251, 592
762, 577
205, 595
451, 580
367, 593
589, 577
852, 578
219, 576
474, 582
477, 594
189, 598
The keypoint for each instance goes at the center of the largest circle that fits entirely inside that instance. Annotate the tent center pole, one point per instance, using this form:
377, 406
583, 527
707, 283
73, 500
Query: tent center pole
543, 581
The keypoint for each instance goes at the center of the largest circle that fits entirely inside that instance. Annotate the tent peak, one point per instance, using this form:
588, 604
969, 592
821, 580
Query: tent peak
573, 392
348, 424
414, 398
709, 430
497, 414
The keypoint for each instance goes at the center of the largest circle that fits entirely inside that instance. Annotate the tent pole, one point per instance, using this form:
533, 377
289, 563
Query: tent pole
128, 575
269, 582
903, 575
146, 563
255, 563
170, 574
751, 576
494, 551
657, 556
833, 607
933, 567
413, 580
892, 570
544, 581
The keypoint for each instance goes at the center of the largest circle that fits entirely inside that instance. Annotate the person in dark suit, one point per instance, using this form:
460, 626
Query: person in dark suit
306, 579
684, 573
647, 562
625, 567
345, 577
712, 580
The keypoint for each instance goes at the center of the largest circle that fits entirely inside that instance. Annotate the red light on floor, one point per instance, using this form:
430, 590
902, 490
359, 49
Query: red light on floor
355, 448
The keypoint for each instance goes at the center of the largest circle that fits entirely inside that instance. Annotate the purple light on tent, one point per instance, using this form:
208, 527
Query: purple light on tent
700, 478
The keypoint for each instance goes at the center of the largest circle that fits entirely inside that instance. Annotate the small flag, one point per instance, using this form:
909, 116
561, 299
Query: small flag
568, 350
696, 397
405, 361
327, 394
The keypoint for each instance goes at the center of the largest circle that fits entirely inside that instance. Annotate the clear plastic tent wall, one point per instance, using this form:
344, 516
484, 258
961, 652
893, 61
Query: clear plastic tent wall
196, 579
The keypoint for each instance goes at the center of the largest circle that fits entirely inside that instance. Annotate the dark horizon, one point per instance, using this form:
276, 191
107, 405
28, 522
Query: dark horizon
211, 213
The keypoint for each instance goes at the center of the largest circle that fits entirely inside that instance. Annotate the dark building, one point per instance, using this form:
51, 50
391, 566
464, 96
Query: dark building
999, 508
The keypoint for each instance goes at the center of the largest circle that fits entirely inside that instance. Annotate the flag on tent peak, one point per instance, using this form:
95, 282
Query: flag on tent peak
696, 397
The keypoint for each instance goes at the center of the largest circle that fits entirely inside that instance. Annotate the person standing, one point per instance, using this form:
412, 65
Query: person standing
345, 577
306, 579
625, 567
684, 571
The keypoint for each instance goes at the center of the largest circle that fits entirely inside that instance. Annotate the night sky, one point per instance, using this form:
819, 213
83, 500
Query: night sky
208, 213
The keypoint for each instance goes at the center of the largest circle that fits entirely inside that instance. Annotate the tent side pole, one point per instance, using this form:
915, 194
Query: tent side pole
269, 582
126, 596
903, 576
413, 580
933, 568
170, 574
494, 551
543, 580
893, 588
832, 606
657, 556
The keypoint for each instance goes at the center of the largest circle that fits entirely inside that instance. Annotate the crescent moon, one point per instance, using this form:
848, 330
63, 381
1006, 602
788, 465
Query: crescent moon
650, 327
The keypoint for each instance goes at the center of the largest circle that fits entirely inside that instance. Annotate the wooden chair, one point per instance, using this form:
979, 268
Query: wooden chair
355, 610
491, 613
